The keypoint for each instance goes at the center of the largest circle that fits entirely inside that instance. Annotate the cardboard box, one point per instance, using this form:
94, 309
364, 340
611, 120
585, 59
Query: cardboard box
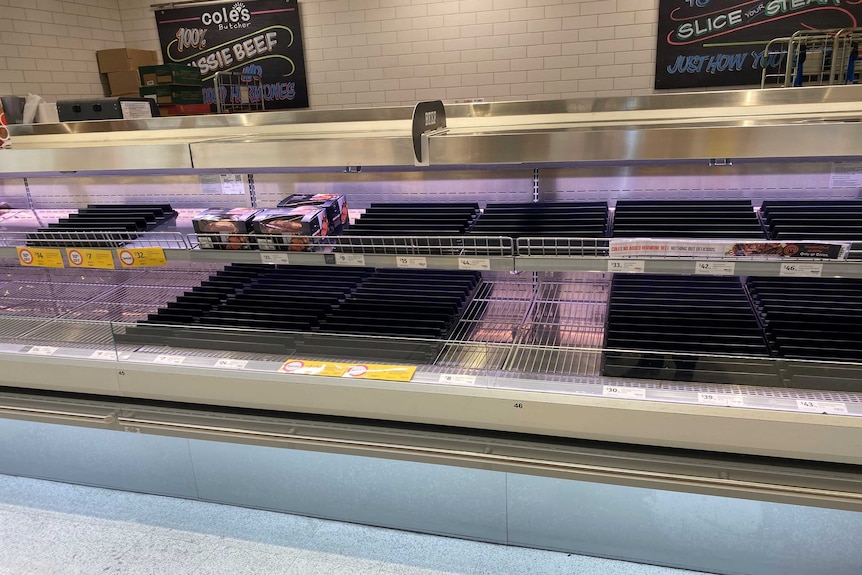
170, 74
224, 229
124, 82
124, 59
289, 229
173, 94
334, 204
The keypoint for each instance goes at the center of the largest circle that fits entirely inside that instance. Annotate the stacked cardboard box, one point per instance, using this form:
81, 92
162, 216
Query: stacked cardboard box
120, 66
172, 84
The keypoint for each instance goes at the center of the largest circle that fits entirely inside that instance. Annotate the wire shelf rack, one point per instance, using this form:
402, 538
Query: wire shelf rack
366, 245
93, 239
555, 247
540, 331
97, 295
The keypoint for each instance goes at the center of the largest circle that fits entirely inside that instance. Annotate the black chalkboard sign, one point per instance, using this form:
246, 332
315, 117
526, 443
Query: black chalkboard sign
705, 43
256, 38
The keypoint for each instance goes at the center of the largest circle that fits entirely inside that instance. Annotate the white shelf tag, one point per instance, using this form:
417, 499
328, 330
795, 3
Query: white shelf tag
624, 392
480, 264
456, 379
104, 354
232, 363
274, 259
43, 350
626, 266
796, 269
715, 268
170, 359
728, 399
833, 407
411, 262
350, 259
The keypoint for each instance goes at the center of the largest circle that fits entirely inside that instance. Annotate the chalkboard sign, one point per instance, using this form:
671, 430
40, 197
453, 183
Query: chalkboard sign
255, 38
705, 43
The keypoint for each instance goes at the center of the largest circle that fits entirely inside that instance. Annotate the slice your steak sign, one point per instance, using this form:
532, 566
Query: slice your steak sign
256, 38
705, 43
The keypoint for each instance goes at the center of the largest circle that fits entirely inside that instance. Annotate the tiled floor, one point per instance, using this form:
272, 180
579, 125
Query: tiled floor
51, 528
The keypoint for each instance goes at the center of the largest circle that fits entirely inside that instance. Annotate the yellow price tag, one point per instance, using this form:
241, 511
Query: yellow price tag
380, 371
303, 367
40, 257
142, 257
83, 258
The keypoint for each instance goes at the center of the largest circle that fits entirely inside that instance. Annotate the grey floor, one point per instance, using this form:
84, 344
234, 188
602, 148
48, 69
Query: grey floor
56, 528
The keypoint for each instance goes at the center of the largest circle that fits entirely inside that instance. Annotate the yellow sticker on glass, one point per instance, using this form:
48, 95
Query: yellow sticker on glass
142, 257
304, 367
83, 258
380, 371
40, 257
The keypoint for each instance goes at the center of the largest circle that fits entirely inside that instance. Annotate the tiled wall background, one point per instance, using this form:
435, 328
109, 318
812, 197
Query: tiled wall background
371, 52
48, 47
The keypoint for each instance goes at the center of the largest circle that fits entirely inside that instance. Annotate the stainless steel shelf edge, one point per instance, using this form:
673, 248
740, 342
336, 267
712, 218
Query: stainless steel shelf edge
495, 263
319, 152
780, 482
836, 269
59, 374
107, 158
481, 454
793, 435
57, 411
742, 267
560, 147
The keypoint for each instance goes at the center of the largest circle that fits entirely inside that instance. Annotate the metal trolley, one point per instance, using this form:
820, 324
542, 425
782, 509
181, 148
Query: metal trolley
812, 58
238, 92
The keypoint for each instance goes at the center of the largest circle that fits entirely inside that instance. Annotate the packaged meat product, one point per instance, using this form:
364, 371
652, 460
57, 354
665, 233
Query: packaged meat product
224, 229
335, 205
289, 229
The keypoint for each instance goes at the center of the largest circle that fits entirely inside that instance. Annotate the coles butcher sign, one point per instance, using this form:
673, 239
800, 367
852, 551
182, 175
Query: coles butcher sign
253, 37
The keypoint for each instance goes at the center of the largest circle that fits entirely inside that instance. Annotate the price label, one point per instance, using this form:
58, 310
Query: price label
40, 257
380, 371
42, 350
625, 392
104, 354
411, 262
303, 367
797, 269
715, 268
833, 407
274, 259
82, 258
170, 359
457, 379
142, 257
225, 363
727, 399
626, 266
350, 259
480, 264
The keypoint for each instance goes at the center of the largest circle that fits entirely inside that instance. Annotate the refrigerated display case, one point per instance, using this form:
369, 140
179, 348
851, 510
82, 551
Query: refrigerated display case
521, 382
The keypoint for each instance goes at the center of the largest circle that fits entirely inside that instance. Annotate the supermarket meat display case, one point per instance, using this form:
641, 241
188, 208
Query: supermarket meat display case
627, 327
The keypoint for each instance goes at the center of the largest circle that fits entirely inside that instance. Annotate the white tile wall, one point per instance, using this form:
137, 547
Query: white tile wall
495, 49
48, 47
374, 52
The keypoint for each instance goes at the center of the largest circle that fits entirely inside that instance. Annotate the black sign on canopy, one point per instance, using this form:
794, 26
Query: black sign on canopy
705, 43
253, 38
